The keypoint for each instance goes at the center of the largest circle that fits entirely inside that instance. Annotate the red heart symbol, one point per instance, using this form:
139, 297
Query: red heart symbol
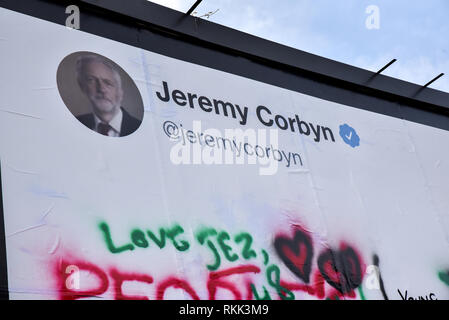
341, 269
296, 253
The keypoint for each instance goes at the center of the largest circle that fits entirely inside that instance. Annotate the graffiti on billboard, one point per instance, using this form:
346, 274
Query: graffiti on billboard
234, 264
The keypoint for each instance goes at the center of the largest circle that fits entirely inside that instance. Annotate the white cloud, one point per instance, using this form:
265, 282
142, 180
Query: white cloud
174, 4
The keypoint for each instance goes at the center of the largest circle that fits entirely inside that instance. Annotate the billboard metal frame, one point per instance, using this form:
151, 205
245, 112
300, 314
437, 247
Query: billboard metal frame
174, 34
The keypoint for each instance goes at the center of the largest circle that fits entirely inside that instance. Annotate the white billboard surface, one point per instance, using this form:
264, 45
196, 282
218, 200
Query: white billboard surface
228, 188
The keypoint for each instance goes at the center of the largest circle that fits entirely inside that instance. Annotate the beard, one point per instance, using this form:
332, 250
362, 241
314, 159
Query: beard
104, 105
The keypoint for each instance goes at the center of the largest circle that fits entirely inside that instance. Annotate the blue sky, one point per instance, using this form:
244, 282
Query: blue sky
414, 32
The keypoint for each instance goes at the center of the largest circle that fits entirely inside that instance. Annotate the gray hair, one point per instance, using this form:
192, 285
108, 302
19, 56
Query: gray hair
84, 60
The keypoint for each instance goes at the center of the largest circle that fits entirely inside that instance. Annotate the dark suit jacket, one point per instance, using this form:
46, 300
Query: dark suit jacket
129, 123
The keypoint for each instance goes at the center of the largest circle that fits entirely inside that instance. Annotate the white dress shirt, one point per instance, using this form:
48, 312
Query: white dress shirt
115, 123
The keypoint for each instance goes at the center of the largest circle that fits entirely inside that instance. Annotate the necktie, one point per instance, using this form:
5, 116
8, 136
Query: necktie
104, 128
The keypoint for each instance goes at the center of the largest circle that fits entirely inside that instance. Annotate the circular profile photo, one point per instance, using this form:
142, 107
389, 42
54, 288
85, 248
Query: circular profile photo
100, 94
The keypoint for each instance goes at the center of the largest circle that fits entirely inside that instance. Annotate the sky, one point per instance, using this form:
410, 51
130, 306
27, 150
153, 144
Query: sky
416, 33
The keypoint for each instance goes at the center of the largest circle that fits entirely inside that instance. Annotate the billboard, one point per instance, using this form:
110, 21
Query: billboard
128, 174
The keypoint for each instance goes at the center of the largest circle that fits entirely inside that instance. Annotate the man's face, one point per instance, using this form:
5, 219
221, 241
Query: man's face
102, 88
